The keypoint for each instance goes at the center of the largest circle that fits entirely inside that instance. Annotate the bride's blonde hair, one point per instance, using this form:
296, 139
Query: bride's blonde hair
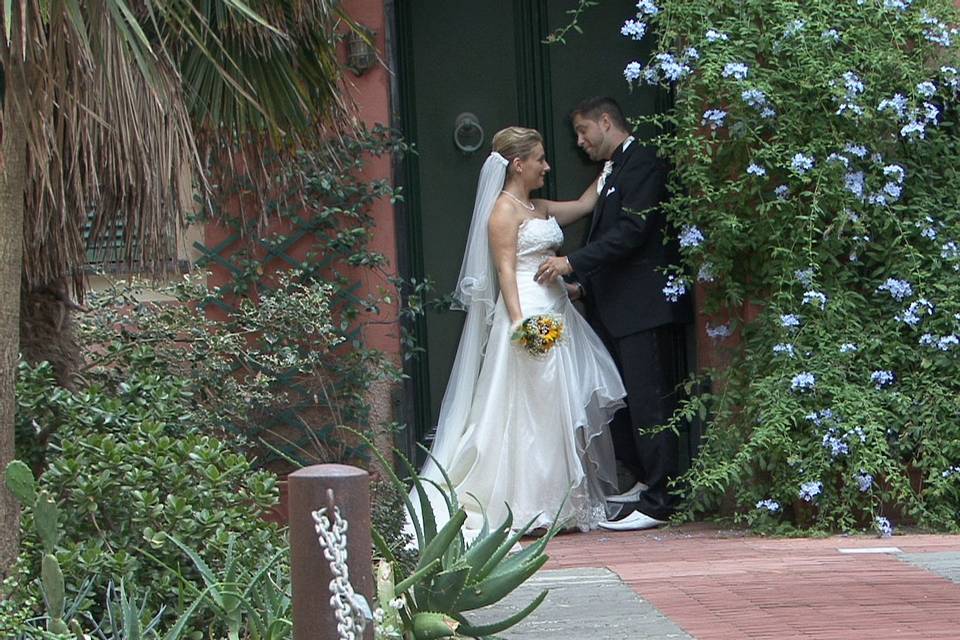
516, 142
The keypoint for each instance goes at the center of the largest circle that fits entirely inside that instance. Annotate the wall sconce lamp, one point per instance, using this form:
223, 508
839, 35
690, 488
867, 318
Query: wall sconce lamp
361, 54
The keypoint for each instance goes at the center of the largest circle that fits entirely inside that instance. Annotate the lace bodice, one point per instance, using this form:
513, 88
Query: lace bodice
537, 238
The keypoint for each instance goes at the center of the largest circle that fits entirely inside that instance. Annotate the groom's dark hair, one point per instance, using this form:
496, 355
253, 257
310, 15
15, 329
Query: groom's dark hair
594, 108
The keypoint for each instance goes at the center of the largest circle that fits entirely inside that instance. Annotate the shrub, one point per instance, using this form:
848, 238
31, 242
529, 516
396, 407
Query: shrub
815, 148
127, 473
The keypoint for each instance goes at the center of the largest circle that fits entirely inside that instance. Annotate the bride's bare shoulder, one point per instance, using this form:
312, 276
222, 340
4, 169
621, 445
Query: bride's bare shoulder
503, 217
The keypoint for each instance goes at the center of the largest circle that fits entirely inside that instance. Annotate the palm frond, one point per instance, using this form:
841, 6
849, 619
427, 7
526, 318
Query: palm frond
131, 97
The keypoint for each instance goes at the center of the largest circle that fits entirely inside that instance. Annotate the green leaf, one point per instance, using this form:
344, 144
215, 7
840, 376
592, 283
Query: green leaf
496, 627
21, 483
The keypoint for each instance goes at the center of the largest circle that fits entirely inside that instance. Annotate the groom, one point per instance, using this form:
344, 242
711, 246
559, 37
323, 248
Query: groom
618, 275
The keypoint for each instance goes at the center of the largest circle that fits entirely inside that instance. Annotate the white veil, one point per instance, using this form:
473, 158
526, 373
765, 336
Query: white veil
476, 293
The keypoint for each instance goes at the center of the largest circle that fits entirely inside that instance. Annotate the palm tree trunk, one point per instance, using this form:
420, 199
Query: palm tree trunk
13, 164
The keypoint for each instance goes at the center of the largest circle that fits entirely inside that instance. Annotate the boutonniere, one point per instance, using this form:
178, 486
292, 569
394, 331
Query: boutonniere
611, 190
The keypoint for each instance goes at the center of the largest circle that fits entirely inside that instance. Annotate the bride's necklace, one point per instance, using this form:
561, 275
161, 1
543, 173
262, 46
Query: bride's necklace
528, 207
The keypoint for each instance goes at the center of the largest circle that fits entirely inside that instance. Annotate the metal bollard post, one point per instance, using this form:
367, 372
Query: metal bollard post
313, 617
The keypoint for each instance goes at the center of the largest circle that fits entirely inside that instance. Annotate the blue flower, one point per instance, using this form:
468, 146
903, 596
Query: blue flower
815, 298
674, 289
819, 418
950, 251
810, 490
900, 5
715, 36
647, 7
893, 190
713, 117
913, 131
691, 236
719, 332
884, 528
794, 28
830, 34
855, 182
946, 343
837, 446
782, 191
691, 53
897, 104
705, 274
926, 89
839, 159
754, 98
634, 29
801, 163
672, 69
938, 33
632, 71
790, 320
767, 113
770, 505
894, 171
912, 314
804, 276
848, 347
882, 378
927, 340
785, 349
756, 170
950, 471
735, 70
898, 289
852, 84
803, 381
951, 76
857, 150
931, 112
864, 481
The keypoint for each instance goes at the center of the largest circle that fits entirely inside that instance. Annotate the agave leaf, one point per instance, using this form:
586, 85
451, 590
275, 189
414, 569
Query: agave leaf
381, 546
437, 549
443, 539
176, 631
484, 546
433, 625
213, 585
454, 551
496, 627
446, 588
398, 484
503, 550
428, 520
452, 495
417, 576
495, 587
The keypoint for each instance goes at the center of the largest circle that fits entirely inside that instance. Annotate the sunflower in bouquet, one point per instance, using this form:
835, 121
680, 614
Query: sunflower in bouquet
538, 334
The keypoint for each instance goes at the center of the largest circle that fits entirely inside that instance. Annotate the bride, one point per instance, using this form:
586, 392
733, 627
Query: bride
516, 429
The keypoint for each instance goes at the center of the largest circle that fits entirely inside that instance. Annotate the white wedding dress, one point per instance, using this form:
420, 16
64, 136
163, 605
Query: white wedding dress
537, 427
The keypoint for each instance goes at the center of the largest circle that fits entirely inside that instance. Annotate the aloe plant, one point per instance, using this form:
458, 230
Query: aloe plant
451, 577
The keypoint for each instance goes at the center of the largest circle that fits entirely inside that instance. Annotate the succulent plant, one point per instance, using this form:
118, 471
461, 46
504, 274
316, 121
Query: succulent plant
451, 577
23, 486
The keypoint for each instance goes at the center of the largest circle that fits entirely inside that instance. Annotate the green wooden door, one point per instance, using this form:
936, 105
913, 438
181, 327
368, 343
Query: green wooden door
488, 59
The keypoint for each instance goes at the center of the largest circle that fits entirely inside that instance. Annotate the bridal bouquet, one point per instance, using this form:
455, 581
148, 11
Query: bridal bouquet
538, 334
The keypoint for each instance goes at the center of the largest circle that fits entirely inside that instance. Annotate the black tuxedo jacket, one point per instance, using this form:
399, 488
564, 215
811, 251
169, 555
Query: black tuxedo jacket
627, 245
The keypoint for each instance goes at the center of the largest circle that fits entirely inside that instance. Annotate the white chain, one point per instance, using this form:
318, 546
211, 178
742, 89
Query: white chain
350, 609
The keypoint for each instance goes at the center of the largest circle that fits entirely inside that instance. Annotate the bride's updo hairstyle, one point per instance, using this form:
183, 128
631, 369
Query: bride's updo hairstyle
516, 142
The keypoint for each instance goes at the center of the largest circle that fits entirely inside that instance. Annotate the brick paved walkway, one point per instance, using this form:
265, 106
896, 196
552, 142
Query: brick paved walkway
725, 585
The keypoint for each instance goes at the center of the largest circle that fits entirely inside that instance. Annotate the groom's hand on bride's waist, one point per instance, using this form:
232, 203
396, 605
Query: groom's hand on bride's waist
553, 268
